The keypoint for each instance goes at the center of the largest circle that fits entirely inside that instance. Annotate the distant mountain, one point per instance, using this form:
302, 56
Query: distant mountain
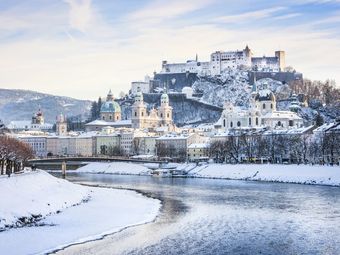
21, 104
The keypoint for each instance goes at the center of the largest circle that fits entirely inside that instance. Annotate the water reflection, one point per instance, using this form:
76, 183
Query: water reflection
225, 217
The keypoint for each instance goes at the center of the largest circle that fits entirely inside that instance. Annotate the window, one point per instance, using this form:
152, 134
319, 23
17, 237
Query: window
291, 123
103, 117
110, 117
279, 123
249, 121
168, 115
161, 115
257, 121
264, 106
142, 114
231, 124
135, 114
238, 123
224, 123
271, 106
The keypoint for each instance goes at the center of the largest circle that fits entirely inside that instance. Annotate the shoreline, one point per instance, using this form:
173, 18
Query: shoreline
274, 173
108, 211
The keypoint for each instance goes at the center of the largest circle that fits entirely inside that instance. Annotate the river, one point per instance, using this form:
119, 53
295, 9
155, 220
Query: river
205, 216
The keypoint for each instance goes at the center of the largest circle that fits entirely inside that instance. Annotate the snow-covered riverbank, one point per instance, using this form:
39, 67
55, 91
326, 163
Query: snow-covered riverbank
305, 174
60, 213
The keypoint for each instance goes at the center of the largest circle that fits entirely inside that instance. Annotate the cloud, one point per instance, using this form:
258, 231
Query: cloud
112, 54
160, 9
81, 14
287, 16
249, 16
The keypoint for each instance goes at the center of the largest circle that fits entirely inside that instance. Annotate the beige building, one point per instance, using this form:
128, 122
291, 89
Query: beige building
106, 143
198, 151
61, 146
161, 117
84, 144
145, 145
175, 145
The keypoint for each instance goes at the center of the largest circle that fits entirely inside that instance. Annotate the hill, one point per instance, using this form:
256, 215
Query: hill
21, 104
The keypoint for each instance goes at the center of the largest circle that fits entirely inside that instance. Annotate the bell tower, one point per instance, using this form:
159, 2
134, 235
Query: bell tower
139, 112
165, 111
61, 125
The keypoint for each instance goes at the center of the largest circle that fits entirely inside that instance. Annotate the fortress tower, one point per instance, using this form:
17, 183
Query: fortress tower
281, 55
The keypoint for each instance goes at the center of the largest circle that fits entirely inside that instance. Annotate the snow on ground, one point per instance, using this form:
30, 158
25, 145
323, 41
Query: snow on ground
106, 211
114, 168
307, 174
35, 193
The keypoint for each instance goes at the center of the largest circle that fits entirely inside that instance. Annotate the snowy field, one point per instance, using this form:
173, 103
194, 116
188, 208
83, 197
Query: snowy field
68, 213
305, 174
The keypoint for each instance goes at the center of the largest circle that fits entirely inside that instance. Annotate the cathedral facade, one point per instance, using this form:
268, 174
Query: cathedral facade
142, 119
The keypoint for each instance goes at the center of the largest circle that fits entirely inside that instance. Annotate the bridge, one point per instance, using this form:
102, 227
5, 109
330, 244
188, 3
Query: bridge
55, 163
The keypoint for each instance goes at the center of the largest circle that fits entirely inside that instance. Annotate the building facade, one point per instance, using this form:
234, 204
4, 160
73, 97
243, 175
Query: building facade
222, 60
261, 113
161, 117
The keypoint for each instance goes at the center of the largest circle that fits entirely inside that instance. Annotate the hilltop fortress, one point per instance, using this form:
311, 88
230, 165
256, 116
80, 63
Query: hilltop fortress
176, 76
223, 60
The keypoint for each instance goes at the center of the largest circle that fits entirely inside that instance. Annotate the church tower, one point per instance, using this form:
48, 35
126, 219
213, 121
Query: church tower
139, 113
61, 125
165, 111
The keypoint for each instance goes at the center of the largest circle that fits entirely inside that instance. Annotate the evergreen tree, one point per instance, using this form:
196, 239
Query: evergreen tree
319, 120
94, 110
99, 105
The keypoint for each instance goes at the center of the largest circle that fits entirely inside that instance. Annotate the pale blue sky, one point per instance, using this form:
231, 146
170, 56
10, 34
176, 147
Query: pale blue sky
81, 48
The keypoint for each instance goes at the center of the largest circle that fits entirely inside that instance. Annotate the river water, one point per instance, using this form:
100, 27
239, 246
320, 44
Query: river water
205, 216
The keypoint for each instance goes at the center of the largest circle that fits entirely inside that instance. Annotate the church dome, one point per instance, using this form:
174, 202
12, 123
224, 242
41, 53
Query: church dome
265, 95
110, 106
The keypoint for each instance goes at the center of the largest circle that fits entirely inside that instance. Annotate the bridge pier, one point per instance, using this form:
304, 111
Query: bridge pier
63, 169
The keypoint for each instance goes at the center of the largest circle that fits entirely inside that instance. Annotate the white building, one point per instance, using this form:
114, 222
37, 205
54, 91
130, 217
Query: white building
38, 143
262, 113
37, 123
143, 86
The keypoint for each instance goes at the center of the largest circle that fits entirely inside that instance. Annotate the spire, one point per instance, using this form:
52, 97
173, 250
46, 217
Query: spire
196, 58
109, 96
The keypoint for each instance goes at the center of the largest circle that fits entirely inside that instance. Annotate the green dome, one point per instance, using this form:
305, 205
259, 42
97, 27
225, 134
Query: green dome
110, 106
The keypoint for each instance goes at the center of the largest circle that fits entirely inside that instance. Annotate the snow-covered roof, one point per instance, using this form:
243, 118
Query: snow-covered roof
26, 124
106, 123
282, 114
324, 127
198, 146
174, 137
291, 131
